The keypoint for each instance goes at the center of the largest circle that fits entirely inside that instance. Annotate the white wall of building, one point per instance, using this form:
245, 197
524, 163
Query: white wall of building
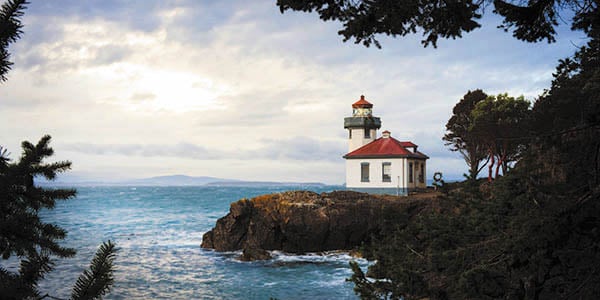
399, 173
357, 138
353, 173
416, 183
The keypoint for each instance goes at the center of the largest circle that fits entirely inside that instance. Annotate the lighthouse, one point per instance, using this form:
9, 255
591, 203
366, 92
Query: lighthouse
362, 126
381, 165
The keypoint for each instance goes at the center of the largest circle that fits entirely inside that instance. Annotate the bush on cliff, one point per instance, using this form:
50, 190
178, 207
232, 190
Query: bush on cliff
506, 245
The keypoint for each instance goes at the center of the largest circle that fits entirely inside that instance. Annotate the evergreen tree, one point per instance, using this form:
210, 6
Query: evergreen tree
22, 232
96, 282
533, 234
500, 125
10, 31
459, 133
24, 235
530, 21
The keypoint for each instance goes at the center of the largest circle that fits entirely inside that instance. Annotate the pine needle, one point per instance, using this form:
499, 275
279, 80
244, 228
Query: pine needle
97, 281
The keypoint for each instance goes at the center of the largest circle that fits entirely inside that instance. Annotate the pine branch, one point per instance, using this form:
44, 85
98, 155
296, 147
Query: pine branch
10, 12
10, 31
97, 281
13, 287
50, 170
33, 269
21, 230
4, 156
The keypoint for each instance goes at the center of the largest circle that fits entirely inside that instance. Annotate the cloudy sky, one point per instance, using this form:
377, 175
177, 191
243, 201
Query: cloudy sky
235, 89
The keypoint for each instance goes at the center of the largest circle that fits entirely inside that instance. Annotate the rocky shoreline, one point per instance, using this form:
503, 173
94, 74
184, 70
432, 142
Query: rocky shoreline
304, 221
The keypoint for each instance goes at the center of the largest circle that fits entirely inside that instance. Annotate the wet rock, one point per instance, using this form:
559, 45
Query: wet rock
252, 254
303, 221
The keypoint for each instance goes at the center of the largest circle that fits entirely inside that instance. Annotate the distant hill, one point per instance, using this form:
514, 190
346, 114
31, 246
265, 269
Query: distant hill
175, 180
263, 183
170, 180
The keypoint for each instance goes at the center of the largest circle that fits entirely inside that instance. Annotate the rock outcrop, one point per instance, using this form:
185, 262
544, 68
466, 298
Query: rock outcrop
303, 221
251, 254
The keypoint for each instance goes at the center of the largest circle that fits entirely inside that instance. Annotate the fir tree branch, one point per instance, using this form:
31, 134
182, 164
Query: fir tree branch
10, 31
97, 281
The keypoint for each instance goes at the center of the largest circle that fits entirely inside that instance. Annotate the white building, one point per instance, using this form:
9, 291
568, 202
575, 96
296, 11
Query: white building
381, 165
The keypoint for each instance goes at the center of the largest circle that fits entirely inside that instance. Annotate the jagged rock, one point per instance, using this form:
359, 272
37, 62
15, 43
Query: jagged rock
252, 254
303, 221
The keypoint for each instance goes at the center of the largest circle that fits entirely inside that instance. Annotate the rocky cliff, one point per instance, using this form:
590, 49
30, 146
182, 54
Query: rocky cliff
303, 221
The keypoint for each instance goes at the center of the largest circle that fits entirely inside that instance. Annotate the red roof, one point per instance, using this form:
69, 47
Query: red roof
407, 144
386, 147
362, 103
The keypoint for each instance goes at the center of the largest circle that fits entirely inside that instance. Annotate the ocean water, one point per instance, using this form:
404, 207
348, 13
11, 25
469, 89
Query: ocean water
159, 230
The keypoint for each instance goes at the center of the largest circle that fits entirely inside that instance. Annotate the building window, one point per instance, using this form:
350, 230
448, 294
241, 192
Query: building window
367, 133
364, 172
350, 133
410, 172
422, 174
386, 172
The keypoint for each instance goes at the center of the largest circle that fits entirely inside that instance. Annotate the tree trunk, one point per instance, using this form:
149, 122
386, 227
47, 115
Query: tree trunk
471, 156
504, 162
498, 164
474, 170
501, 163
491, 167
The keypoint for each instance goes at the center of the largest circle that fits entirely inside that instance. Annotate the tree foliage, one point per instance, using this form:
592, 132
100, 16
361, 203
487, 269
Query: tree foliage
97, 281
10, 31
500, 125
488, 128
459, 133
22, 232
25, 235
362, 20
532, 234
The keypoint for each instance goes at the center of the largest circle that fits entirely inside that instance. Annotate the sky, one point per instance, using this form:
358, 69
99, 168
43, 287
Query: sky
235, 89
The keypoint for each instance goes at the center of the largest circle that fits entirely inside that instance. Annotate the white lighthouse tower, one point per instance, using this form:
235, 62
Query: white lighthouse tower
381, 165
362, 126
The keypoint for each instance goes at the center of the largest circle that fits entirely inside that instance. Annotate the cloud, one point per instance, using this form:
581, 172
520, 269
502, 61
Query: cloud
302, 149
180, 150
242, 85
295, 148
134, 15
108, 54
78, 46
139, 97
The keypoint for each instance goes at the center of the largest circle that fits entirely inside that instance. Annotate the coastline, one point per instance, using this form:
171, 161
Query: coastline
303, 222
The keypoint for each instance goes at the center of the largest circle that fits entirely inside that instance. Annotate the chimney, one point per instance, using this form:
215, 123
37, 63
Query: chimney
386, 134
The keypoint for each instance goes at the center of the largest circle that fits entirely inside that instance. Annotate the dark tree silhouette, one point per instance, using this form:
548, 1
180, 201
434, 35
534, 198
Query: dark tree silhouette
459, 133
97, 281
22, 233
498, 125
10, 31
34, 242
362, 20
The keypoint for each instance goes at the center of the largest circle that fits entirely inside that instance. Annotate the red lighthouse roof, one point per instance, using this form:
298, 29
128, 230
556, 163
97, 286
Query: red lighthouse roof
362, 103
386, 147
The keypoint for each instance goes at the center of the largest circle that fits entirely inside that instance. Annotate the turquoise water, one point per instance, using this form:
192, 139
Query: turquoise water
159, 231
